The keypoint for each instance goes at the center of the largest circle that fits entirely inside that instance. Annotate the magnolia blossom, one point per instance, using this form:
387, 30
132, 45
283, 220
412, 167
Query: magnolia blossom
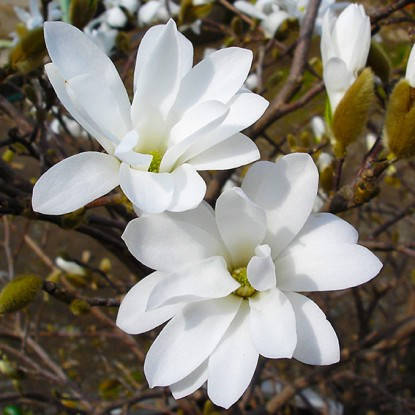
228, 281
269, 12
410, 68
155, 11
319, 128
182, 119
102, 34
34, 18
345, 44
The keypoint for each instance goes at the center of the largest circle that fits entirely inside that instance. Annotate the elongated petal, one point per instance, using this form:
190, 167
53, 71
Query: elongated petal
273, 324
325, 266
133, 316
188, 339
410, 68
244, 109
249, 9
60, 87
241, 223
125, 152
202, 280
271, 23
233, 363
317, 342
74, 182
261, 269
158, 78
191, 382
189, 188
75, 54
168, 242
286, 190
218, 77
150, 192
237, 150
151, 38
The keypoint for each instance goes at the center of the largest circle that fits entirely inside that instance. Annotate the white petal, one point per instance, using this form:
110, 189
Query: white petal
191, 382
286, 190
241, 223
150, 192
272, 324
189, 188
218, 77
202, 280
158, 79
410, 68
324, 266
149, 41
59, 85
168, 241
317, 342
237, 150
147, 14
125, 152
233, 363
261, 269
271, 23
132, 316
75, 54
244, 109
188, 339
74, 182
249, 9
199, 121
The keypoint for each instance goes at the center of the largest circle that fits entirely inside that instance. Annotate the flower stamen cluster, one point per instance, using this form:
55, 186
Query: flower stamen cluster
246, 289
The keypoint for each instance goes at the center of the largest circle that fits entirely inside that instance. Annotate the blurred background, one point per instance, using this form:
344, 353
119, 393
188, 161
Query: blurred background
62, 277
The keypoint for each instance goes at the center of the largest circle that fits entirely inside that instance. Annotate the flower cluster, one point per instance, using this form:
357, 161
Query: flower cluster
227, 281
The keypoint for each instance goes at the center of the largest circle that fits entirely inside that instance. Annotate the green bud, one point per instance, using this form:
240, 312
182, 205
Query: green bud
105, 265
8, 156
350, 117
81, 12
379, 61
326, 178
399, 131
29, 52
79, 307
189, 13
19, 292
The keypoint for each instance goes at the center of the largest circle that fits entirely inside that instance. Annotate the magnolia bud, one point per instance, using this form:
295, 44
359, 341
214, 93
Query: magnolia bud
81, 12
399, 131
19, 292
79, 307
350, 117
379, 61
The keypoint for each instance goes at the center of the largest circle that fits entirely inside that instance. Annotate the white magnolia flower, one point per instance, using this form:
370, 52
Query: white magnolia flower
69, 266
319, 128
228, 281
182, 119
345, 44
115, 15
269, 12
370, 140
102, 34
410, 68
155, 11
33, 18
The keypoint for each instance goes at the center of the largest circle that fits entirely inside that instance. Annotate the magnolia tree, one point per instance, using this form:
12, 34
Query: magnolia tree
239, 173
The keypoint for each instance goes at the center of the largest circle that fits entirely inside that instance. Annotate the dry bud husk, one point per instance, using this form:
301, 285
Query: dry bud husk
350, 117
81, 12
19, 292
399, 131
379, 61
189, 13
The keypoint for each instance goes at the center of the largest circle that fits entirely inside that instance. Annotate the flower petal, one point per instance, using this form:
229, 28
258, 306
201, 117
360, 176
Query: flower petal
237, 150
125, 152
325, 267
75, 54
189, 188
188, 339
217, 77
317, 342
132, 316
74, 182
249, 9
261, 269
286, 190
79, 114
202, 280
272, 324
150, 192
241, 223
410, 68
170, 241
191, 382
233, 363
158, 78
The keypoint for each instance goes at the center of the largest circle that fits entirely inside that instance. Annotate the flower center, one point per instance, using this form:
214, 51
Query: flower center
246, 289
155, 163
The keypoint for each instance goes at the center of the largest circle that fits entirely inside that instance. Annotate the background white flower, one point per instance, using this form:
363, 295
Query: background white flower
182, 119
345, 44
33, 18
228, 280
102, 34
155, 11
